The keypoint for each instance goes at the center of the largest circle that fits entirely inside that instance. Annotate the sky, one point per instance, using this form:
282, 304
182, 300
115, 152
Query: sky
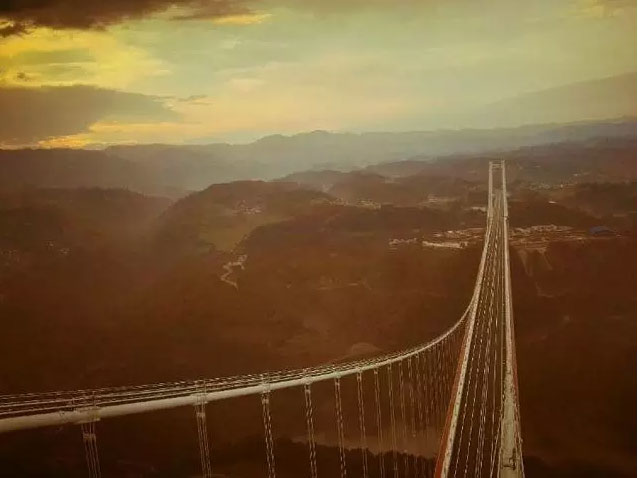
82, 73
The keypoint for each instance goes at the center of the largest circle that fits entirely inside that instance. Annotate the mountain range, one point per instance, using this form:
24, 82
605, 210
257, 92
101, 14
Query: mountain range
172, 170
594, 100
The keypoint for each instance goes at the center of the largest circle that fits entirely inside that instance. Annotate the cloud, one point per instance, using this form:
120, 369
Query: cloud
88, 57
30, 115
242, 19
22, 76
10, 29
199, 100
605, 8
20, 15
192, 98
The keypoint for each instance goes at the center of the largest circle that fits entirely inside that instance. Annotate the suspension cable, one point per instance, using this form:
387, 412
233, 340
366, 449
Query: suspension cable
377, 400
202, 436
421, 425
404, 427
270, 447
89, 439
340, 433
434, 381
439, 392
393, 429
311, 431
412, 413
428, 405
444, 384
362, 426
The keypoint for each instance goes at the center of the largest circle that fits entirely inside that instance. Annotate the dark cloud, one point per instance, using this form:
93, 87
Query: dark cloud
21, 15
32, 114
83, 14
12, 29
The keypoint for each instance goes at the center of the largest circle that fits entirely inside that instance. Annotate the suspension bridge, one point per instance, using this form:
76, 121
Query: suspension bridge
456, 394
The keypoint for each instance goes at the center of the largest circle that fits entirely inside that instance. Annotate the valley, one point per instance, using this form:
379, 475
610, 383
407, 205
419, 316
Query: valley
314, 268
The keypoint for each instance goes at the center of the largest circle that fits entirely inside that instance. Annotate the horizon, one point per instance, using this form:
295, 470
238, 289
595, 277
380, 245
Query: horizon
548, 126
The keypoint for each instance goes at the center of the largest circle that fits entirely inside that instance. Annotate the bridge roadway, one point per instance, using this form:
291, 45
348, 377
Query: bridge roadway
482, 435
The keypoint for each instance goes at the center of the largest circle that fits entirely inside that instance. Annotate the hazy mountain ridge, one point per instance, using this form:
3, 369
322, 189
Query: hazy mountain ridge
55, 220
170, 170
599, 159
592, 100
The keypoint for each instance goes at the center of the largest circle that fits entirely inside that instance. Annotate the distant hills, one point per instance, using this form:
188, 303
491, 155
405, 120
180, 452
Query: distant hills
593, 100
220, 216
173, 171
